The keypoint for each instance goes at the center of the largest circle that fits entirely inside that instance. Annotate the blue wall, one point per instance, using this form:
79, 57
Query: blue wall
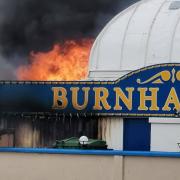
137, 133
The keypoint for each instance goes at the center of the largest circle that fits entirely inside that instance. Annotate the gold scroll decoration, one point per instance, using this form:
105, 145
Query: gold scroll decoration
162, 77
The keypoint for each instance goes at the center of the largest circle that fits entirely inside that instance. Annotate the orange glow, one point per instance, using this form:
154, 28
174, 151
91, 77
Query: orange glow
65, 62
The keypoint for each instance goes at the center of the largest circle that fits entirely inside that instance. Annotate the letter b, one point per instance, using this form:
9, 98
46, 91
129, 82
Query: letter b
59, 101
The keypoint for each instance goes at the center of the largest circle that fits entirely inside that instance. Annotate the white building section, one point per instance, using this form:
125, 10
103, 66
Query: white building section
165, 134
146, 33
111, 130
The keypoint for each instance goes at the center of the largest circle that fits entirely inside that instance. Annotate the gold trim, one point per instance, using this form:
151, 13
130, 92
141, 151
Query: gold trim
158, 78
175, 75
161, 77
148, 68
99, 114
93, 82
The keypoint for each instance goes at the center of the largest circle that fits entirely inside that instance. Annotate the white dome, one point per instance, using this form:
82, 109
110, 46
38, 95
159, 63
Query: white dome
144, 34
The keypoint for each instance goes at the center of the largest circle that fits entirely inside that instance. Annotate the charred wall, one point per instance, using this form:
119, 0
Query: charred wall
42, 131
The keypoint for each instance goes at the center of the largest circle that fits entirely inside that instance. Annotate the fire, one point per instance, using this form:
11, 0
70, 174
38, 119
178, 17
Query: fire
65, 62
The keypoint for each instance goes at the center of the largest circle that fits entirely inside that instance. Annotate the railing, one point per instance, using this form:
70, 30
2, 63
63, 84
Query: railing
92, 152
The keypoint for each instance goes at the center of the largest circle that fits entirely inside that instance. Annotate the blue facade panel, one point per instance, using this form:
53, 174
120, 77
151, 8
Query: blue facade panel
98, 97
137, 133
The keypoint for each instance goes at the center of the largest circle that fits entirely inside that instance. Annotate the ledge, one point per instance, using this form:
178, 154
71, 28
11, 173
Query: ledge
91, 152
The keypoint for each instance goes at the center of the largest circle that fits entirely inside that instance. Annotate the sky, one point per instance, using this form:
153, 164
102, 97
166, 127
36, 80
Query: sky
35, 25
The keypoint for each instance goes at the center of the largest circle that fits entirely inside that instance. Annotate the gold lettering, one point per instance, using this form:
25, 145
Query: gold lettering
101, 98
75, 98
59, 101
152, 98
172, 99
126, 100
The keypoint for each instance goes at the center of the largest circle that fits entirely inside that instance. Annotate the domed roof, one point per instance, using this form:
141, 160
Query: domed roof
146, 33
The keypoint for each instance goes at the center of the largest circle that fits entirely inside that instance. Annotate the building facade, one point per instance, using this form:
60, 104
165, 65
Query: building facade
147, 33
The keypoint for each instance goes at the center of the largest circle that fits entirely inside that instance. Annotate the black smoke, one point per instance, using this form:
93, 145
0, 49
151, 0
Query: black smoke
27, 25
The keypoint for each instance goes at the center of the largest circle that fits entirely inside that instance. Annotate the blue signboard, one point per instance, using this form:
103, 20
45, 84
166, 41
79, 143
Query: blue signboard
150, 91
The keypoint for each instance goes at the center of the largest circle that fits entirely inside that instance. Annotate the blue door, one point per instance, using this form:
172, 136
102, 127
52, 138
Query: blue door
137, 134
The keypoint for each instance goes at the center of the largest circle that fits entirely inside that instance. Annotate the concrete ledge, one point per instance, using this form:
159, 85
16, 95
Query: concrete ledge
91, 152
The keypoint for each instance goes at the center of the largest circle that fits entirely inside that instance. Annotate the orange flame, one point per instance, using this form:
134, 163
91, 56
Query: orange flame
67, 62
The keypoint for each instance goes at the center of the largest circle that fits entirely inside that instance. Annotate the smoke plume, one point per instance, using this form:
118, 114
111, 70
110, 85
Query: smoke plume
35, 25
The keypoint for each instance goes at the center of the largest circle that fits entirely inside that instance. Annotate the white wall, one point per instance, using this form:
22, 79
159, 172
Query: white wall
165, 134
111, 130
19, 166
